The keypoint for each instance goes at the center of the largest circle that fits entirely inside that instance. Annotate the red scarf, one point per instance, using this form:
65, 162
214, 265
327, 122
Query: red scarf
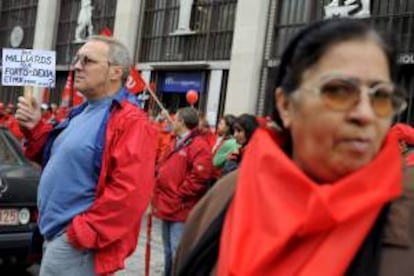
280, 222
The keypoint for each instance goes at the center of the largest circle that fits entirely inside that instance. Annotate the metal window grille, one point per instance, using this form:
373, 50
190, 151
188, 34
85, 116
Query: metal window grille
16, 13
390, 16
212, 21
103, 16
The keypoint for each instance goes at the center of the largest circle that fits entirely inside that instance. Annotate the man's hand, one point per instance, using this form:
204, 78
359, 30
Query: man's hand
28, 114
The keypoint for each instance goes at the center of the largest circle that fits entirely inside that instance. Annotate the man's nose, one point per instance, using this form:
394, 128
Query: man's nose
77, 65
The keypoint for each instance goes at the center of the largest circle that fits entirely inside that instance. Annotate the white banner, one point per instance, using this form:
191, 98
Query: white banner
28, 67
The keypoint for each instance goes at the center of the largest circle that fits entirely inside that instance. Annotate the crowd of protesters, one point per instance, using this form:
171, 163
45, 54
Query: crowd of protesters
51, 114
191, 157
332, 124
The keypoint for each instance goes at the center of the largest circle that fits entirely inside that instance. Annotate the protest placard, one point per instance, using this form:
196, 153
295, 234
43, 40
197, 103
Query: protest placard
28, 67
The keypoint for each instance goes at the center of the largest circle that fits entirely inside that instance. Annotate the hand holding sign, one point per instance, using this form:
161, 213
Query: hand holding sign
28, 95
28, 113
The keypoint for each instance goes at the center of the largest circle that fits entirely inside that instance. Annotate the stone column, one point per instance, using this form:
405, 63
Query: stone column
216, 77
47, 16
246, 56
127, 17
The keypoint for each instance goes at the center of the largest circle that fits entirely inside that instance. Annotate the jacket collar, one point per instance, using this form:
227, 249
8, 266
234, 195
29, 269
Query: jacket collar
398, 227
117, 100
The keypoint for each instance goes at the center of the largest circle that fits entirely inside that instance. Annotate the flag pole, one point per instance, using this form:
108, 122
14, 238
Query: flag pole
136, 75
148, 245
164, 110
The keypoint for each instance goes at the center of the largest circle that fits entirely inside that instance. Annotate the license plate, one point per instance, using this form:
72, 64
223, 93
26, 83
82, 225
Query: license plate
9, 217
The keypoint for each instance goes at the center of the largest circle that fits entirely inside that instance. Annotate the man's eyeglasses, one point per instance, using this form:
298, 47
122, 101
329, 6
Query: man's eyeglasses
85, 60
343, 93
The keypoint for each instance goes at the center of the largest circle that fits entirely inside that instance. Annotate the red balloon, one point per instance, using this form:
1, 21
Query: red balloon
191, 96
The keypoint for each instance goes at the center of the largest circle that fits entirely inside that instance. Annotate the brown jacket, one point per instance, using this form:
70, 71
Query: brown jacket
202, 232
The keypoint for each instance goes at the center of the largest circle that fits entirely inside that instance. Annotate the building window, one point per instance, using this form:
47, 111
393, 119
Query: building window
103, 16
211, 20
291, 16
396, 17
16, 13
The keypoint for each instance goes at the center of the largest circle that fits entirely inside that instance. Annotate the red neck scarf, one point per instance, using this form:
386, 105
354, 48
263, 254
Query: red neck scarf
280, 222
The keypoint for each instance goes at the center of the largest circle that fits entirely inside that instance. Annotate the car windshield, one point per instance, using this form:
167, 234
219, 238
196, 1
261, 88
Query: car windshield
8, 153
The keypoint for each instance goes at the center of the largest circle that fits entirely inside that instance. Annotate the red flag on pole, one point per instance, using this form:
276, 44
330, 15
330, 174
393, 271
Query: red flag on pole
135, 83
45, 95
78, 98
106, 32
148, 246
67, 91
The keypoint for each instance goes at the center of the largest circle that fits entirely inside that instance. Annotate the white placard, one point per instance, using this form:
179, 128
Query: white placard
28, 67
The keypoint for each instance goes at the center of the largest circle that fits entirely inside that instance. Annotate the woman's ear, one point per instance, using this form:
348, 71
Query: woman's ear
283, 107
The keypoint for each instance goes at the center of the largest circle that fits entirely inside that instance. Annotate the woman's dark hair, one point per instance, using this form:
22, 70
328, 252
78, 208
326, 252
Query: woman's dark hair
311, 43
248, 123
229, 120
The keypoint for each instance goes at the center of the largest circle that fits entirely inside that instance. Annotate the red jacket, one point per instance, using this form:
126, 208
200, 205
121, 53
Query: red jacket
165, 137
111, 225
210, 138
182, 178
11, 123
406, 134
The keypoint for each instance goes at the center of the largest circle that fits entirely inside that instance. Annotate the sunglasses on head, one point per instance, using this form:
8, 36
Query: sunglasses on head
342, 93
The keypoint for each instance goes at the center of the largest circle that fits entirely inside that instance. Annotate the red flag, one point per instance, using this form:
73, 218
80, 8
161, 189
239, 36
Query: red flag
78, 98
106, 32
67, 91
45, 95
135, 83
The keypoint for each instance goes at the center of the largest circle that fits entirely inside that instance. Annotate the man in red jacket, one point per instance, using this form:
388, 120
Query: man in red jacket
182, 179
7, 119
98, 167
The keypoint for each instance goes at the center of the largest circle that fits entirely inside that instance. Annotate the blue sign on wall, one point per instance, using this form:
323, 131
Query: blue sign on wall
181, 82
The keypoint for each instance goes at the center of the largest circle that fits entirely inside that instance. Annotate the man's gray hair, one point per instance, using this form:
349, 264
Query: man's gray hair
118, 53
189, 116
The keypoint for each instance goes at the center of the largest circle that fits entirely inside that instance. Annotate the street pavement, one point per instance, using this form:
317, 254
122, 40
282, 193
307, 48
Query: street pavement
135, 264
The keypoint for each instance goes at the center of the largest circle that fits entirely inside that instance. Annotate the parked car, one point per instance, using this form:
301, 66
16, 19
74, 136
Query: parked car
19, 179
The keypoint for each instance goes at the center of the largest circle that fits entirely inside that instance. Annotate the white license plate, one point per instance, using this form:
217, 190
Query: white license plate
9, 217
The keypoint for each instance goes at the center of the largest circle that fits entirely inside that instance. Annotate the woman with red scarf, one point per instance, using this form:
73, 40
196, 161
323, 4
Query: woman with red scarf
329, 194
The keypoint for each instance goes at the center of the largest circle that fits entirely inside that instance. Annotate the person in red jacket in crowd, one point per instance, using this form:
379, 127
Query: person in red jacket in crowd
206, 132
47, 114
8, 120
406, 137
165, 136
61, 113
182, 179
98, 167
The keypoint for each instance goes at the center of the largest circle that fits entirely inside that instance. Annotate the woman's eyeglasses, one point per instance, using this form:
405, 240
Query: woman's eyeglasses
341, 94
